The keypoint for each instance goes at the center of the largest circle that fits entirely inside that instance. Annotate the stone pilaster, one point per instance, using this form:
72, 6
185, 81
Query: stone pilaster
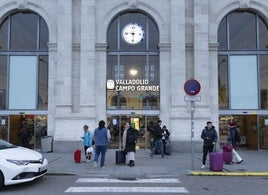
64, 58
88, 61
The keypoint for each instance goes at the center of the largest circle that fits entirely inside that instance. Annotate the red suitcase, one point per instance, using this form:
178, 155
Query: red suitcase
227, 154
77, 156
215, 161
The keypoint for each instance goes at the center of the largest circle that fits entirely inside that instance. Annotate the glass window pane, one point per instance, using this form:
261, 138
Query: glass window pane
223, 82
222, 34
4, 35
22, 82
264, 81
112, 36
24, 31
242, 30
43, 34
243, 84
263, 34
153, 35
3, 81
43, 82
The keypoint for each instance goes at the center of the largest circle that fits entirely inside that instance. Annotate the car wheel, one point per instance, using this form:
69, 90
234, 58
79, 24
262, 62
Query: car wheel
1, 180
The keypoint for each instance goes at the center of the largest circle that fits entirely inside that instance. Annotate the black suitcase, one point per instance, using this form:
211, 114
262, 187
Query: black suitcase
120, 157
168, 148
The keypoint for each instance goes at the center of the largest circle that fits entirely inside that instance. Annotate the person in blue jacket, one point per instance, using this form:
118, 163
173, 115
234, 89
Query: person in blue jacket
101, 137
87, 141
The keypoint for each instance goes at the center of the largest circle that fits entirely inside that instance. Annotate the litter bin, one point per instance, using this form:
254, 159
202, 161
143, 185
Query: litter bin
46, 144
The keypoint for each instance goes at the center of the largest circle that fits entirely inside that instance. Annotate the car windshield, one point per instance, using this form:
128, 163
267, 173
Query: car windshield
5, 145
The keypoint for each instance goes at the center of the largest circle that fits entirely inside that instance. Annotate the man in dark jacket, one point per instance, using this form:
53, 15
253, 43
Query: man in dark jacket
157, 139
210, 137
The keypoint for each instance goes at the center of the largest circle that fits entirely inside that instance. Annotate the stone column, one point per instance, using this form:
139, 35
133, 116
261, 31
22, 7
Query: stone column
177, 113
201, 52
64, 58
100, 93
88, 62
52, 90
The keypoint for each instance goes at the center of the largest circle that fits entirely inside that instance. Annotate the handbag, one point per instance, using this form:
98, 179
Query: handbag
90, 151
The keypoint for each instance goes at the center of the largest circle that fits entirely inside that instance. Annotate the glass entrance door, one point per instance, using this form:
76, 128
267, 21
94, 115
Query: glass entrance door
263, 132
142, 123
4, 128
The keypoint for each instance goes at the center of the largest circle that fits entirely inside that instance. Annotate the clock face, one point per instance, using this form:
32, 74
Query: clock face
132, 33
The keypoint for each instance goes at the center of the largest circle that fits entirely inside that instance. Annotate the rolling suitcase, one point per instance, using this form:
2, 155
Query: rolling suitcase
227, 153
168, 148
77, 156
215, 161
120, 157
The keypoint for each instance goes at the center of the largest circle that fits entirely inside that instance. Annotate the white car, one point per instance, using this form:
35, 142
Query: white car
19, 165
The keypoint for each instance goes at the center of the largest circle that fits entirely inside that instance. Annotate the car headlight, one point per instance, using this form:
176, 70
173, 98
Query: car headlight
18, 162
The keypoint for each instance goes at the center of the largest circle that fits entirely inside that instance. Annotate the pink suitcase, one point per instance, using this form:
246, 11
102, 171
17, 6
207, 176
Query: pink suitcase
215, 161
227, 153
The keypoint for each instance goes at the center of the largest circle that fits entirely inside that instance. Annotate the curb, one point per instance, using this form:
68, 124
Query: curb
210, 173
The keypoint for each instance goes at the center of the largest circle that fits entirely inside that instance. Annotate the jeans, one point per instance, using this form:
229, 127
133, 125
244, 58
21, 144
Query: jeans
157, 145
100, 150
206, 150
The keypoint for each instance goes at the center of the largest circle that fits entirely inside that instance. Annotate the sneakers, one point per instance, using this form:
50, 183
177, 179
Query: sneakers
239, 161
87, 160
203, 167
103, 167
95, 164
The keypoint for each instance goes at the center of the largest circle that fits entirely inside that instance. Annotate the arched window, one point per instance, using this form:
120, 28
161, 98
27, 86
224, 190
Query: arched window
133, 60
23, 61
242, 61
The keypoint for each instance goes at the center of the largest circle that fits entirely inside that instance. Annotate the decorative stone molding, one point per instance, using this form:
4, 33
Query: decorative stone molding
132, 4
101, 46
52, 46
164, 46
22, 4
189, 46
244, 4
213, 46
76, 46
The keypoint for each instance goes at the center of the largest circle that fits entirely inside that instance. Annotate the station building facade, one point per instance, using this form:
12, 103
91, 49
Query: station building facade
66, 63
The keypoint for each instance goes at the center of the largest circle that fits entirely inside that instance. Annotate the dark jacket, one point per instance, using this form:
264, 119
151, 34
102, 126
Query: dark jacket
233, 136
209, 136
131, 139
157, 132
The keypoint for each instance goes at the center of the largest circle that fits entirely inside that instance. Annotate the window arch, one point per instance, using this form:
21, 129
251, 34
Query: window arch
242, 61
133, 60
23, 61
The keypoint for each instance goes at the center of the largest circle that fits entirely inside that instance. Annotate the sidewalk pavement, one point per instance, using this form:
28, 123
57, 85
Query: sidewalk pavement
255, 163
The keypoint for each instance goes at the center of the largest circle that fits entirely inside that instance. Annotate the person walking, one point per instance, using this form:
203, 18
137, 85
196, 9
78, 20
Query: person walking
157, 139
101, 137
87, 142
210, 137
130, 136
235, 139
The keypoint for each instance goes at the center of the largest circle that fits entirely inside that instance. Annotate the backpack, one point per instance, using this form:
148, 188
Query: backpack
131, 136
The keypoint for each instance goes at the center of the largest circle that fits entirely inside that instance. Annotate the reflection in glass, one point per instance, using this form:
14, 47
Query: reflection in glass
242, 30
43, 82
3, 82
223, 82
264, 81
24, 31
4, 35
